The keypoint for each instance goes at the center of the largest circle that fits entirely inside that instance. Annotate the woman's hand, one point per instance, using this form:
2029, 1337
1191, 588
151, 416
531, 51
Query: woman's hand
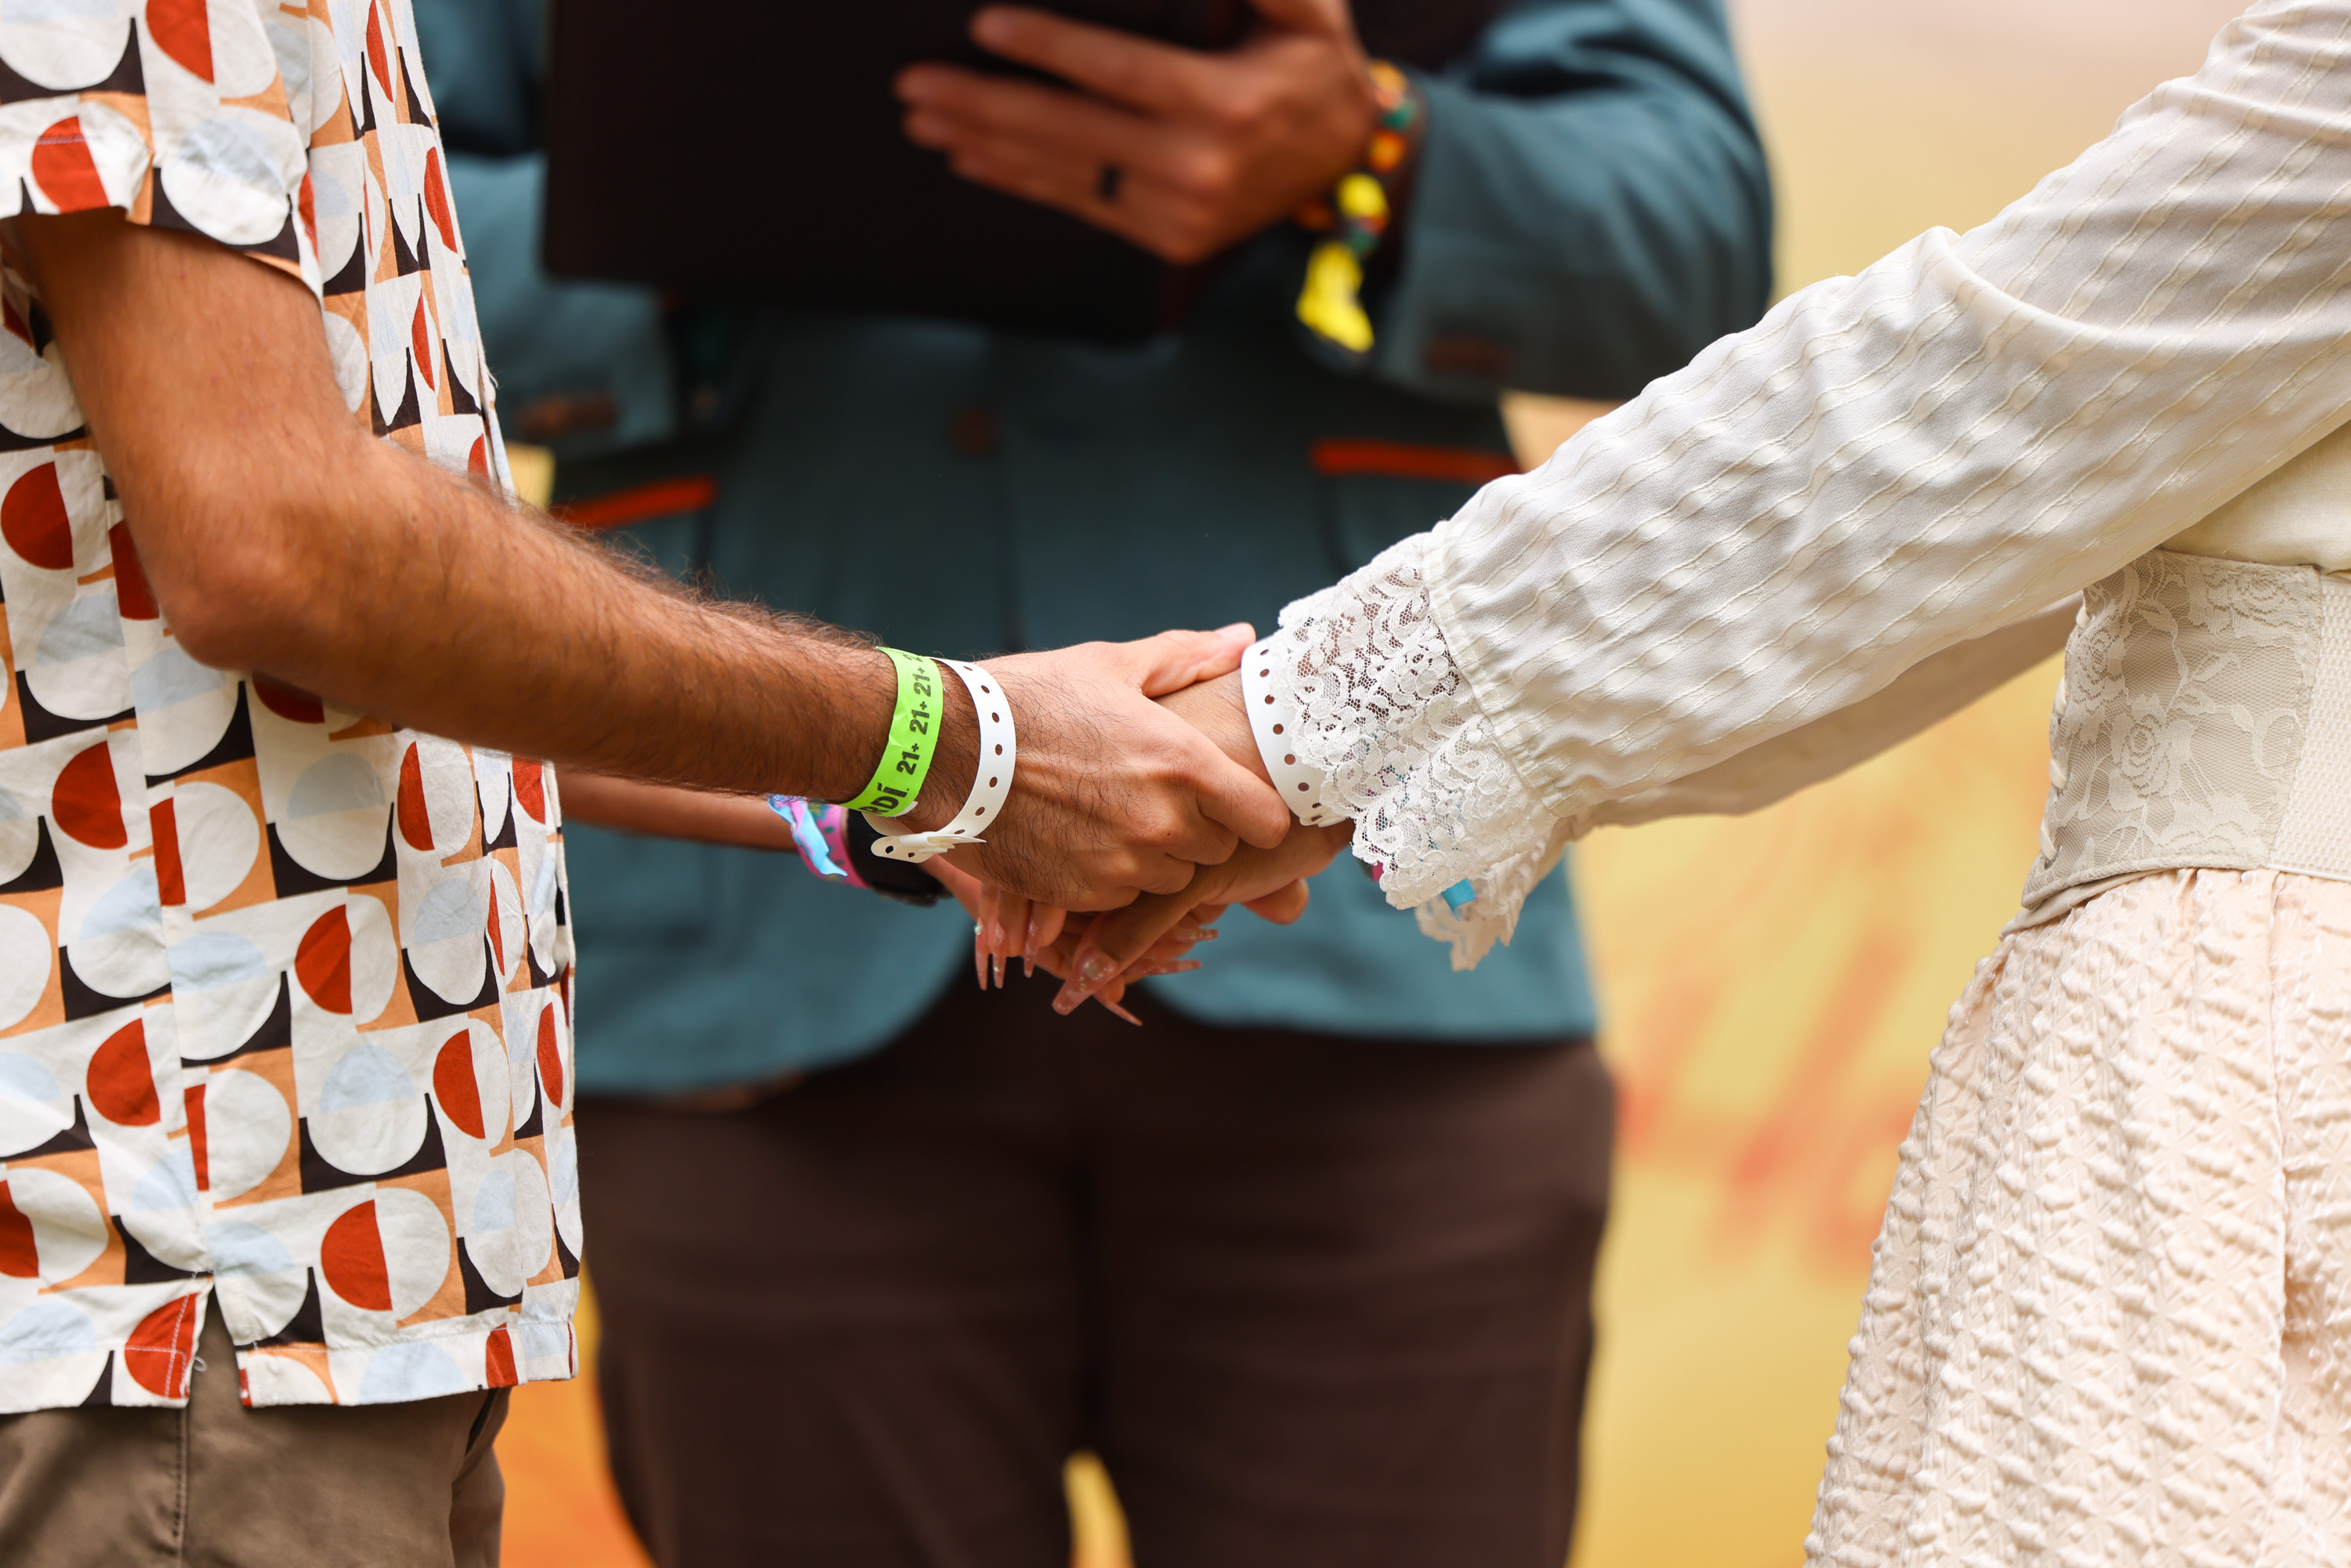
1152, 936
1009, 926
1102, 957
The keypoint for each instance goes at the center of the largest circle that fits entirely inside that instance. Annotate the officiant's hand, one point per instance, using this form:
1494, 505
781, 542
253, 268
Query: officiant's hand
1180, 151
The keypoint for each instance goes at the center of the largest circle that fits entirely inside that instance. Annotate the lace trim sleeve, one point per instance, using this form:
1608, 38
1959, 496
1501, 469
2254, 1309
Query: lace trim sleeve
1408, 752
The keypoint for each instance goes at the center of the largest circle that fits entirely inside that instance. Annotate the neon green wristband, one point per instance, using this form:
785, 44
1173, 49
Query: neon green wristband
913, 736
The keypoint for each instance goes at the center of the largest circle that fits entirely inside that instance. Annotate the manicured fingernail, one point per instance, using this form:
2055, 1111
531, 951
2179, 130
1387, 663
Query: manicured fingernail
1028, 949
1240, 629
1091, 971
999, 971
1119, 1012
1174, 967
978, 959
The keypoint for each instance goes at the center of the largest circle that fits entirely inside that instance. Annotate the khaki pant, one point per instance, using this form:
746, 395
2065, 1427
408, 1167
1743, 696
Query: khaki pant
215, 1485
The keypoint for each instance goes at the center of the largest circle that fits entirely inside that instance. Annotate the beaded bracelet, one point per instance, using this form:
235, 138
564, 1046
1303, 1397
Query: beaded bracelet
1330, 303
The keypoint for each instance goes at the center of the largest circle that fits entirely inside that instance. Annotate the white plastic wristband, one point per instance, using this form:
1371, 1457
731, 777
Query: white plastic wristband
989, 785
1275, 725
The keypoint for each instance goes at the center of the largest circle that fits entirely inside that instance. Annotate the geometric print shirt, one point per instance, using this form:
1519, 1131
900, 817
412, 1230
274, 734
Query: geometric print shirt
285, 992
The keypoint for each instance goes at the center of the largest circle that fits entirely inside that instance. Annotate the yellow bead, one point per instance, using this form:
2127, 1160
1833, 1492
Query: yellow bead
1359, 196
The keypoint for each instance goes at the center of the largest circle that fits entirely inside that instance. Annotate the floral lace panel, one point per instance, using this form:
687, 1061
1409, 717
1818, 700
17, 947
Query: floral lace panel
2180, 722
1408, 754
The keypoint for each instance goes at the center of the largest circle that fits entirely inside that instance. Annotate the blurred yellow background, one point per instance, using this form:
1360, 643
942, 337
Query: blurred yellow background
1772, 984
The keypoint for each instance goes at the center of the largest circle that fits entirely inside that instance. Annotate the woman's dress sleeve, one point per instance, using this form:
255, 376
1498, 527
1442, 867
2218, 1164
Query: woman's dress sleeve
1887, 466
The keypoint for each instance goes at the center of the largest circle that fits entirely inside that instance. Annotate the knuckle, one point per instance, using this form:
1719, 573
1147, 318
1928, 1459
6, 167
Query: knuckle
1214, 172
1234, 106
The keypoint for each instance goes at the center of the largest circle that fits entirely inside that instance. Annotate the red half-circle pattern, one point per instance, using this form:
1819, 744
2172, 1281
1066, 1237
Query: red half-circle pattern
130, 590
436, 198
454, 1084
198, 1146
85, 804
181, 30
19, 1258
33, 521
323, 961
64, 169
415, 820
121, 1081
550, 1055
378, 58
531, 792
159, 1351
351, 1258
497, 1360
291, 703
171, 878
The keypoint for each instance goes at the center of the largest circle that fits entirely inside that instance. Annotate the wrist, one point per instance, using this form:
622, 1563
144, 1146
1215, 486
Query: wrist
1216, 709
1274, 722
865, 684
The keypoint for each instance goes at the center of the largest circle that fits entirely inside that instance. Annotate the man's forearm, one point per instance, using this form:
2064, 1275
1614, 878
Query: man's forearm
355, 569
651, 679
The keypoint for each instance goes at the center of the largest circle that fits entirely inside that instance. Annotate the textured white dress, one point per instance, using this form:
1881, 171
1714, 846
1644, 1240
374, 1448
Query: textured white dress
2109, 1318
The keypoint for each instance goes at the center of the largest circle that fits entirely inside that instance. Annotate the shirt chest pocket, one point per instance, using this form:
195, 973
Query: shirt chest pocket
1373, 493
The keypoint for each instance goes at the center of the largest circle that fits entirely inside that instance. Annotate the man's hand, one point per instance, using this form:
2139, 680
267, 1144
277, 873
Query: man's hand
1113, 792
1182, 153
1152, 934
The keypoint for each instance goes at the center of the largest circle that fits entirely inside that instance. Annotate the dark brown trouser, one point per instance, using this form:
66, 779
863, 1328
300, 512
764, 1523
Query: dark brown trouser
1315, 1301
214, 1485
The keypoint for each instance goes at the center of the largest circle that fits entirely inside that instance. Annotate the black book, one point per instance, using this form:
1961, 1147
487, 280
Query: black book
754, 147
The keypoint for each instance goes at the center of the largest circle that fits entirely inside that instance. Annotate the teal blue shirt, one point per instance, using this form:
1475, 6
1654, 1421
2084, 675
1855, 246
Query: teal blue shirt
1590, 208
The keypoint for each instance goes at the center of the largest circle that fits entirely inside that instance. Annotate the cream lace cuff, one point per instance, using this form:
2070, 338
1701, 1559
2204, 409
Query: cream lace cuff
1408, 754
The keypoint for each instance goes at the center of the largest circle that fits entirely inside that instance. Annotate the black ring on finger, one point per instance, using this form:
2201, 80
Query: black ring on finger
1106, 184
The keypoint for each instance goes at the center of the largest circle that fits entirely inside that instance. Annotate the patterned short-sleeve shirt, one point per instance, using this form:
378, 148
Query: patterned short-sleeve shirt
284, 991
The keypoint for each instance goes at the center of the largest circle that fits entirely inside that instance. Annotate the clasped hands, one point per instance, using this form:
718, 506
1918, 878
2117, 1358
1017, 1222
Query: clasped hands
1139, 813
